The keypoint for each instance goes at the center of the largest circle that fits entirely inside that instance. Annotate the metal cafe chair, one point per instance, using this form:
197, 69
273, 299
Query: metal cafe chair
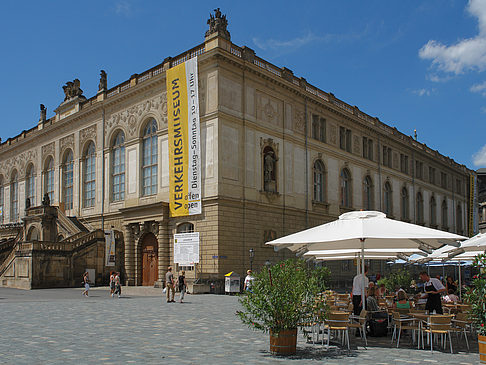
338, 322
439, 325
359, 322
400, 323
461, 324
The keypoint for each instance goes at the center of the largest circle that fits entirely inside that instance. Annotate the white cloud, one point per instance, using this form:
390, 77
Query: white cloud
467, 54
479, 158
479, 88
123, 8
291, 43
295, 43
483, 109
423, 92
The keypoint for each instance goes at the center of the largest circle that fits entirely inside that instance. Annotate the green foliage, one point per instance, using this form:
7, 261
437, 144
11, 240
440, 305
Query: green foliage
284, 296
476, 296
399, 279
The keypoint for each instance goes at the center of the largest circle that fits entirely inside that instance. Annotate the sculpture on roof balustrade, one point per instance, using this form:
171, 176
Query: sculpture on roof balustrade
103, 85
72, 89
218, 24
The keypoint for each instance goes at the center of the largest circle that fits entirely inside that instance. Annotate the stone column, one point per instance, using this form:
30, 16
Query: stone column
163, 248
129, 255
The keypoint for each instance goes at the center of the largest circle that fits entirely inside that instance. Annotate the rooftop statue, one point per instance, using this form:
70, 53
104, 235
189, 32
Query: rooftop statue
218, 23
43, 112
72, 89
103, 85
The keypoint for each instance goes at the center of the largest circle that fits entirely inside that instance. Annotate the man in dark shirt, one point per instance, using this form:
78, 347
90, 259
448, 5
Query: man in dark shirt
169, 285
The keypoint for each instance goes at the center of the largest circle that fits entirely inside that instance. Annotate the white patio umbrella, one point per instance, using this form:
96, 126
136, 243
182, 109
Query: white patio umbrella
366, 230
468, 250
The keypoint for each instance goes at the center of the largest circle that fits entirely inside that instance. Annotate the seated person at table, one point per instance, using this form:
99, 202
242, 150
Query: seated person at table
381, 291
450, 284
371, 303
451, 297
402, 302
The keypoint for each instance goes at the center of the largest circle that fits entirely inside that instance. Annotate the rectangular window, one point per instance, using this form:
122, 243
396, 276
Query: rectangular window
368, 148
318, 128
458, 187
443, 180
403, 163
345, 139
419, 170
387, 156
431, 175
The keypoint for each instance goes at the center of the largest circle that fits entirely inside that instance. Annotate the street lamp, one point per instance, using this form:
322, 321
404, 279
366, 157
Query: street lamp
252, 255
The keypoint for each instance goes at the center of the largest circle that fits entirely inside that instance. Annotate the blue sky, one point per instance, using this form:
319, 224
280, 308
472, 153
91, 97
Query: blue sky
414, 64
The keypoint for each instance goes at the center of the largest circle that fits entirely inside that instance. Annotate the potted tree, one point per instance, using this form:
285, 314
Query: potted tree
282, 298
476, 297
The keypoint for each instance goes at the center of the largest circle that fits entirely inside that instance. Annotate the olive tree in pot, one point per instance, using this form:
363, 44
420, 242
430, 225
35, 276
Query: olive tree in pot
282, 298
476, 297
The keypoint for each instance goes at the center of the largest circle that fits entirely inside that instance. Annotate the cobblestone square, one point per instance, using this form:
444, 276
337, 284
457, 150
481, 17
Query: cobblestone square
57, 326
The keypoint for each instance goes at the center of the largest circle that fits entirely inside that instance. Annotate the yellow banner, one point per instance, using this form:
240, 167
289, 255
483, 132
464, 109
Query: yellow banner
178, 142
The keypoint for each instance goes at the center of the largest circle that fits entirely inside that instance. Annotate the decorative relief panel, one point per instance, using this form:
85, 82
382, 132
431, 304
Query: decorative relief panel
18, 162
66, 142
333, 134
356, 145
86, 134
299, 120
269, 109
129, 118
47, 150
395, 160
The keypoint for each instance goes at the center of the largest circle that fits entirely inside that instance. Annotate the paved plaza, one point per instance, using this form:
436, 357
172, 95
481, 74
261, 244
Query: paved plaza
58, 326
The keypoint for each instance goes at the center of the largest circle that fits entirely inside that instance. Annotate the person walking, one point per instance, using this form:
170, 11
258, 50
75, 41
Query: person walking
112, 283
432, 287
86, 284
169, 285
117, 285
181, 283
248, 281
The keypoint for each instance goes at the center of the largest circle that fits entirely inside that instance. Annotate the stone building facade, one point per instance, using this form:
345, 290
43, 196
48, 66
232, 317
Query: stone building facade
278, 155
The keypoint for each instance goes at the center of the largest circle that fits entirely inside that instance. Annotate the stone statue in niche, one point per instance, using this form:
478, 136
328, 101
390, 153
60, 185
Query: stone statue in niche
27, 203
269, 161
218, 23
103, 85
46, 201
43, 113
72, 89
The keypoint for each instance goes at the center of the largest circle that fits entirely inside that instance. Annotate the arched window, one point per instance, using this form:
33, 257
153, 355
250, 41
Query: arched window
420, 208
149, 159
345, 191
30, 185
2, 199
459, 226
269, 170
368, 193
319, 181
185, 228
14, 197
405, 204
444, 218
118, 167
387, 199
433, 212
89, 176
49, 178
67, 180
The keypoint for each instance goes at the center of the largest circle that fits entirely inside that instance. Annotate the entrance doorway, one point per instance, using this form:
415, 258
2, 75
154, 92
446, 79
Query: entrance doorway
149, 259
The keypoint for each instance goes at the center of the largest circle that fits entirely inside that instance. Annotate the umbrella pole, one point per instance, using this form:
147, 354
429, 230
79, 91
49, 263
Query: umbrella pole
460, 283
363, 272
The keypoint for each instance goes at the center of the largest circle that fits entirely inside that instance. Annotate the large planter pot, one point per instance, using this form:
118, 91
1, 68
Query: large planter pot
482, 349
283, 342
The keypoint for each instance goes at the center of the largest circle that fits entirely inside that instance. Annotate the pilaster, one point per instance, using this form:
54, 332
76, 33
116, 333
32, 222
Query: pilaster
129, 255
